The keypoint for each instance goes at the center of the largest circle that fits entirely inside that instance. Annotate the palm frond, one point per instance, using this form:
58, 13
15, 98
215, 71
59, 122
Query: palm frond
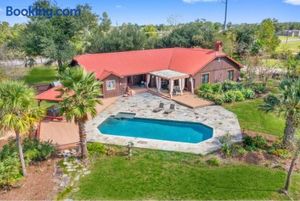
86, 92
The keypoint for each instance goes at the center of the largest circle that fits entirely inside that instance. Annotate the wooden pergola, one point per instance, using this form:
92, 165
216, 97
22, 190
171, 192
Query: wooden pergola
171, 76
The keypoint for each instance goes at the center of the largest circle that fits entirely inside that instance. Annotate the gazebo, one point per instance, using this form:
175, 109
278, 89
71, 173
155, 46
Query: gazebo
52, 94
171, 76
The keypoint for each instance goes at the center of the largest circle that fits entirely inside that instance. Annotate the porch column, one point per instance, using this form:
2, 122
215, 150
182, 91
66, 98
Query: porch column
181, 85
192, 85
148, 76
171, 87
156, 81
159, 84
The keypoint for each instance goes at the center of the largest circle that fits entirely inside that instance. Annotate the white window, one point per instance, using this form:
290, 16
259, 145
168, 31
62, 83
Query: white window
110, 85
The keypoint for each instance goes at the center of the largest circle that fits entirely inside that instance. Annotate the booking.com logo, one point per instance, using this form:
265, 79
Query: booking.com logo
41, 12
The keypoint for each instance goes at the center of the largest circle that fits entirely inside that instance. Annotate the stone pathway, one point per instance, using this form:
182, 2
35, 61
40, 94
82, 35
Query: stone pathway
222, 120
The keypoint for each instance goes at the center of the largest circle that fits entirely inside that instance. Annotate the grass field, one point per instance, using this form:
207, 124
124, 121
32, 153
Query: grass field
39, 75
252, 118
293, 44
157, 175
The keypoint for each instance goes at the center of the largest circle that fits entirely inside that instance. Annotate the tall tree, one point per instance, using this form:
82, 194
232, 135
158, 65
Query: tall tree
19, 111
287, 103
123, 38
10, 41
195, 34
56, 37
267, 37
86, 91
105, 22
245, 42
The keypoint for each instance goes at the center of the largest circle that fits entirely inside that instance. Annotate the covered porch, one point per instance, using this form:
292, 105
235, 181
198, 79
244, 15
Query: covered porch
171, 81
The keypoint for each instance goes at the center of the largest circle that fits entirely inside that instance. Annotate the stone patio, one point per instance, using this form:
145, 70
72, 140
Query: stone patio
216, 117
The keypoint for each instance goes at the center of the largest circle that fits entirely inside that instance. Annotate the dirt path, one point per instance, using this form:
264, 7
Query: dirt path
38, 185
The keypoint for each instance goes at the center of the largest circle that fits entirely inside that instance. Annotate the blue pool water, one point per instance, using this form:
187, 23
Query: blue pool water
177, 131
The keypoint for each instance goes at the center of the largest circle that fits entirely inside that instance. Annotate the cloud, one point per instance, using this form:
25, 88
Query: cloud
195, 1
293, 2
119, 6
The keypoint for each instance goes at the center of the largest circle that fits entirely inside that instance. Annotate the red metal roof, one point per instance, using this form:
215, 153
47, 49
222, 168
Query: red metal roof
52, 94
185, 60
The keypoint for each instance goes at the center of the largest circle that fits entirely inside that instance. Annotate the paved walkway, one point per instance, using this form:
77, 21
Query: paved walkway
217, 117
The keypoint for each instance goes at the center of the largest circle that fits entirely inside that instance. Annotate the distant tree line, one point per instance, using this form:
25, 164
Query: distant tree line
60, 38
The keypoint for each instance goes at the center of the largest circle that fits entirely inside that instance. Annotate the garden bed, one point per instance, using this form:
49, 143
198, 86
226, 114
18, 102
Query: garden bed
39, 184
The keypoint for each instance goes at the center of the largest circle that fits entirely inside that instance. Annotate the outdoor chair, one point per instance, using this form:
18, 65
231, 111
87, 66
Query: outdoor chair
172, 109
160, 108
176, 91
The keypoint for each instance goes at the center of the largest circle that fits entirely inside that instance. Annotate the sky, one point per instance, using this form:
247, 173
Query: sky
159, 11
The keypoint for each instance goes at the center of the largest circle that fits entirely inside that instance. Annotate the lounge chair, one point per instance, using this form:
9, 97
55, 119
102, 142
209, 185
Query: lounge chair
160, 108
172, 109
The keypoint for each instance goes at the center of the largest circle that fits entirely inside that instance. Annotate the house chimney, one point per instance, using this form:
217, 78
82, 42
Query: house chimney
219, 46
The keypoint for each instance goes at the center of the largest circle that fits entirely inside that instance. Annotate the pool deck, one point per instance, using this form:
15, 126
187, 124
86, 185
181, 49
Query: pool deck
65, 134
142, 104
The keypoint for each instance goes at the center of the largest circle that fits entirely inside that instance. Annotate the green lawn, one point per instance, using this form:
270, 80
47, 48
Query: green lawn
252, 118
292, 44
41, 75
173, 176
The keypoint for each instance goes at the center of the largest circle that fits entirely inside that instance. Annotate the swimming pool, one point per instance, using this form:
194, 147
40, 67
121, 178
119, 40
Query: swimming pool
177, 131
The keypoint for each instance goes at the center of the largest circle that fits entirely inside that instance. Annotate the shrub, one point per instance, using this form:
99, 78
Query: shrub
226, 92
278, 150
206, 88
248, 93
238, 96
216, 88
238, 150
209, 96
229, 96
230, 85
205, 91
282, 153
225, 142
9, 150
254, 143
35, 150
260, 142
213, 162
218, 99
259, 88
271, 99
31, 155
96, 149
9, 171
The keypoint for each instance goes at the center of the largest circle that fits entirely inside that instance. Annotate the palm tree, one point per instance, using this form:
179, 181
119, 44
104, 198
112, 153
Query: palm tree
80, 97
293, 163
19, 111
288, 103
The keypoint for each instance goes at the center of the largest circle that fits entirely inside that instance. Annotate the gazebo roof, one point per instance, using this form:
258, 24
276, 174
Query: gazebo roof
52, 94
169, 74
